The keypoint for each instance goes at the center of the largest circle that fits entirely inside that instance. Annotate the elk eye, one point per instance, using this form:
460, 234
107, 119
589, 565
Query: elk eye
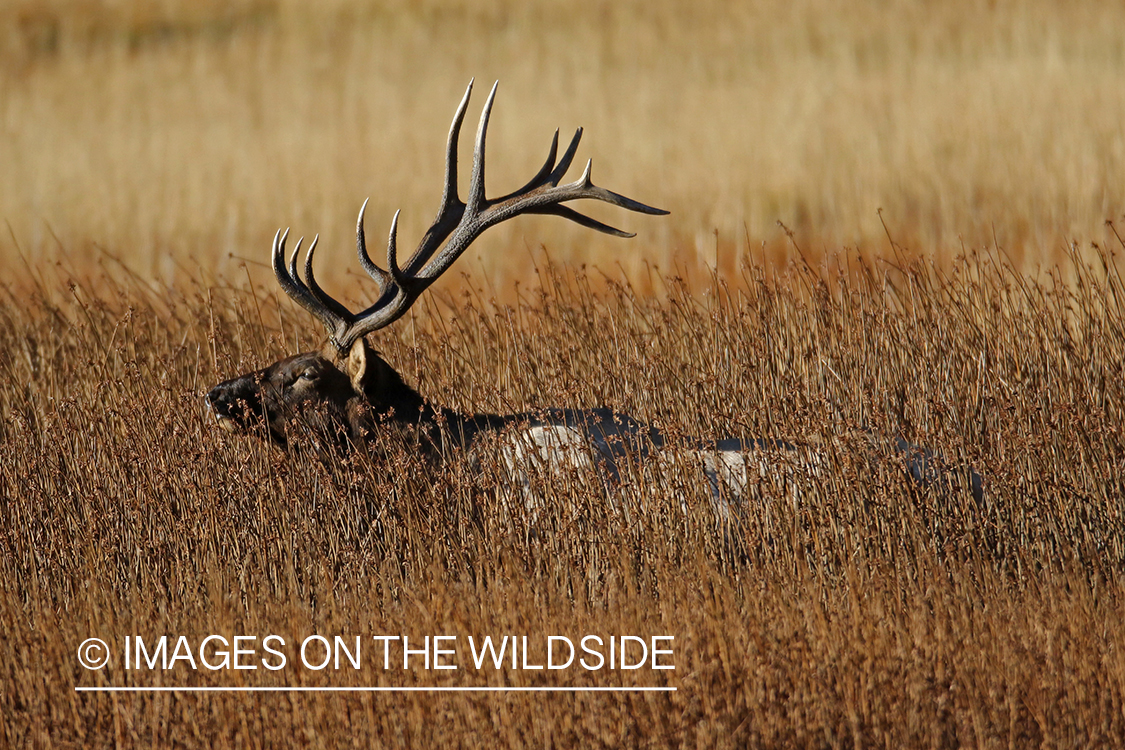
309, 375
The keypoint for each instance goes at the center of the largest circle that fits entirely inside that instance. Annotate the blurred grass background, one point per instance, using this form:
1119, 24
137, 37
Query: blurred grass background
174, 134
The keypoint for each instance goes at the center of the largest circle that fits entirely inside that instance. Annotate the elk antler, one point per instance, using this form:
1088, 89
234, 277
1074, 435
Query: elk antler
459, 221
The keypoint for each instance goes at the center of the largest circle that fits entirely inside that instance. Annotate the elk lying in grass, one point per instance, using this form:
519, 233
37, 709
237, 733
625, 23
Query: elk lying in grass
346, 392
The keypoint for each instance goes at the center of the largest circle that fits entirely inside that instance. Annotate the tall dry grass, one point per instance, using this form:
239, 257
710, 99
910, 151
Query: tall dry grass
870, 613
177, 136
180, 133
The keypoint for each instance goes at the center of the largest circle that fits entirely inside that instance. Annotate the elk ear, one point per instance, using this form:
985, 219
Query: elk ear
356, 365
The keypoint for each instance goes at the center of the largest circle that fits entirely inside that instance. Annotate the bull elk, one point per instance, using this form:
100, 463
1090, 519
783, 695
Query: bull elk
346, 391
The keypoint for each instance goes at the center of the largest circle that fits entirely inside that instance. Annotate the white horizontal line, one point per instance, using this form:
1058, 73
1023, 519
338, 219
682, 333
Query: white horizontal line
80, 689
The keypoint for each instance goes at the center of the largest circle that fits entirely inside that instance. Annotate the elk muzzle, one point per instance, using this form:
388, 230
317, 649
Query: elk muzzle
236, 403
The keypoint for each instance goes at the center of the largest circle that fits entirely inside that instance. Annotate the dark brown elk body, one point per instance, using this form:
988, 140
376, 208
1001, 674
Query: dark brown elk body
345, 401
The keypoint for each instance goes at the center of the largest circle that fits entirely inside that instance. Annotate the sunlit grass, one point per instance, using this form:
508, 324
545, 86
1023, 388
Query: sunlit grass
869, 611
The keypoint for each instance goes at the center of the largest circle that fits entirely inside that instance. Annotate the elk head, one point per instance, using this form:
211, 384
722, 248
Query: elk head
346, 388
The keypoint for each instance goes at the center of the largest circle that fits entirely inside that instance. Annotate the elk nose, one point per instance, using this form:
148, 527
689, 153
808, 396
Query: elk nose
221, 402
214, 397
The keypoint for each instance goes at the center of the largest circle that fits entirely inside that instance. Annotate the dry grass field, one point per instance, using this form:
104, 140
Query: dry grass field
869, 613
150, 150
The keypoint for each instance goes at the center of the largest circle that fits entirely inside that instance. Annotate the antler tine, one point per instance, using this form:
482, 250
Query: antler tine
476, 200
452, 208
449, 195
401, 279
291, 283
394, 299
297, 281
541, 177
382, 278
568, 157
584, 188
311, 287
339, 310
